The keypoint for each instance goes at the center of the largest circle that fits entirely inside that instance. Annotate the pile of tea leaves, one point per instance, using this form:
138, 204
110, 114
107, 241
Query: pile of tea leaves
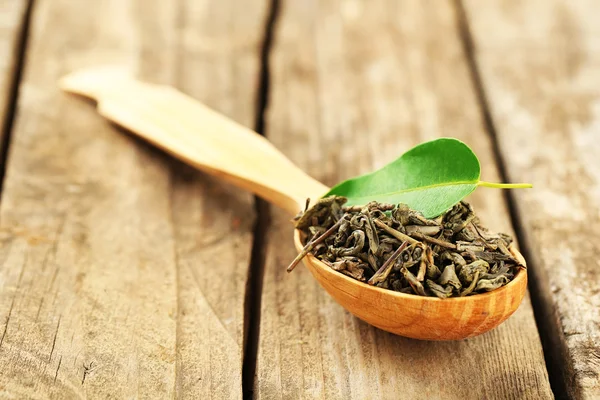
396, 248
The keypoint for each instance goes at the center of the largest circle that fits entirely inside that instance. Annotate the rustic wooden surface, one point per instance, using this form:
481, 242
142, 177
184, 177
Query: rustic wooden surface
542, 78
124, 273
12, 20
354, 85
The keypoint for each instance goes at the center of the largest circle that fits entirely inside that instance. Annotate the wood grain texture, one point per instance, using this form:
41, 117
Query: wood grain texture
122, 272
542, 79
12, 20
353, 86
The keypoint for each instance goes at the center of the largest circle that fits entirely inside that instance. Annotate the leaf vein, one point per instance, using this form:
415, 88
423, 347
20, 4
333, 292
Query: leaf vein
414, 189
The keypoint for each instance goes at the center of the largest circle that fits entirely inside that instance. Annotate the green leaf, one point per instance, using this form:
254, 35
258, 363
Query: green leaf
430, 178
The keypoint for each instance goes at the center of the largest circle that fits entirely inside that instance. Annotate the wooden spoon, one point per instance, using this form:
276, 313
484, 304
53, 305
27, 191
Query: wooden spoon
211, 142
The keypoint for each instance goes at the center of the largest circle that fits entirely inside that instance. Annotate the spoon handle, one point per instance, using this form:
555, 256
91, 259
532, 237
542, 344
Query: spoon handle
197, 135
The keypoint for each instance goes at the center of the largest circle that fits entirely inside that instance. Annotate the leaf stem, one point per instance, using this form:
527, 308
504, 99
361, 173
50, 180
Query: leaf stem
505, 185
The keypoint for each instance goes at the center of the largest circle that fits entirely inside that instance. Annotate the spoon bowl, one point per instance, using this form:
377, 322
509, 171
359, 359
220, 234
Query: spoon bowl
420, 317
209, 141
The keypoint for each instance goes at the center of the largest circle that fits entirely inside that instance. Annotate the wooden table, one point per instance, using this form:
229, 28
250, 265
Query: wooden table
124, 273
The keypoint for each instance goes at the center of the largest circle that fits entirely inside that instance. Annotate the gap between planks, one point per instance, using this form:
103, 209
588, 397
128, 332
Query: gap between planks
557, 363
13, 90
262, 208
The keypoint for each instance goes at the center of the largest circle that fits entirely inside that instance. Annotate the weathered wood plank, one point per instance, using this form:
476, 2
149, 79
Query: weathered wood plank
544, 100
354, 84
12, 20
218, 63
122, 272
